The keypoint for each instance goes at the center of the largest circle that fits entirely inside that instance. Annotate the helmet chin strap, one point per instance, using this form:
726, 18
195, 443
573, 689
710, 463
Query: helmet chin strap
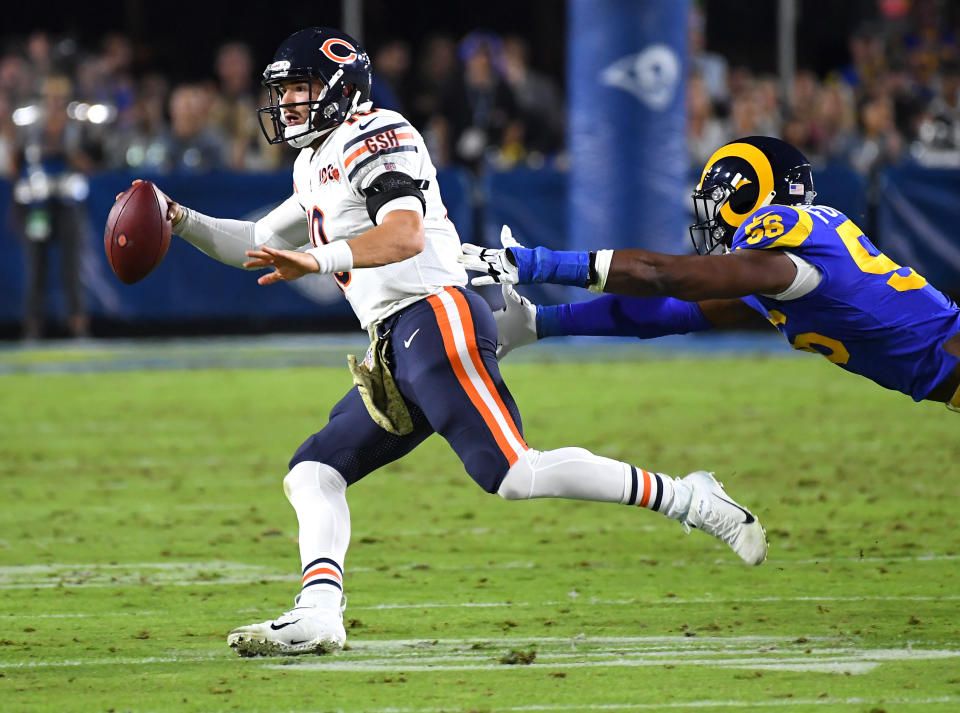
305, 137
356, 106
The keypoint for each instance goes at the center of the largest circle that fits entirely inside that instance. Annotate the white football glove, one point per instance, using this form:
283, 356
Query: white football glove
497, 264
516, 322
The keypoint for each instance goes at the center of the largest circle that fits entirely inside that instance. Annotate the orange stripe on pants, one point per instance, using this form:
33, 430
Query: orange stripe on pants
453, 356
467, 321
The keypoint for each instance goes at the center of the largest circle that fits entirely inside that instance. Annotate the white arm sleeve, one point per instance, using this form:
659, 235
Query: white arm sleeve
807, 279
225, 240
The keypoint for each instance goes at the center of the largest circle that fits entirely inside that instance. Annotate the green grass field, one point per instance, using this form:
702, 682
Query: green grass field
143, 517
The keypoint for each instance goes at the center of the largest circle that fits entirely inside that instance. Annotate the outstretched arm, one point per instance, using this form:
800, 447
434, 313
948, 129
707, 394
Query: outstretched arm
616, 315
521, 322
229, 240
283, 228
637, 273
642, 273
642, 317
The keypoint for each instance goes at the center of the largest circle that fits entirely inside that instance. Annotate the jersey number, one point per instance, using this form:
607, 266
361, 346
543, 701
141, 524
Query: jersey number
878, 264
318, 238
771, 227
832, 349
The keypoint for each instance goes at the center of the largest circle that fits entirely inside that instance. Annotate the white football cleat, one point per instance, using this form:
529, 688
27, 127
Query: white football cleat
717, 514
302, 630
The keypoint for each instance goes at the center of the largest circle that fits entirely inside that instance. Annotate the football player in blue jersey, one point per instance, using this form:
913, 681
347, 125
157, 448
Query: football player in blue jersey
763, 247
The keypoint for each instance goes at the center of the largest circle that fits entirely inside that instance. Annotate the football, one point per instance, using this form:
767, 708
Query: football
138, 233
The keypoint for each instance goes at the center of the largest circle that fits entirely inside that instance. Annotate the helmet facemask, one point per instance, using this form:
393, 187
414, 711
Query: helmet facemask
711, 233
322, 115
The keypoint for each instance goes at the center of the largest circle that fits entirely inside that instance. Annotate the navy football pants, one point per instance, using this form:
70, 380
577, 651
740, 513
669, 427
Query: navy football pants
443, 358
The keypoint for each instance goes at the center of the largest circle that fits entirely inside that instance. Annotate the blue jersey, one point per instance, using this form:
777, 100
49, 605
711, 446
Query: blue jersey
868, 314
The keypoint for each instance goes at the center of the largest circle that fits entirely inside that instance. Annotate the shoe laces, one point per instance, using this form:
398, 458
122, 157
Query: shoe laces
292, 613
715, 521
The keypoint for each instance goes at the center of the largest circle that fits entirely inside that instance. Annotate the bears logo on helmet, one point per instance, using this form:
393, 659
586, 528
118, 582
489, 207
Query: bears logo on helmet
742, 177
338, 72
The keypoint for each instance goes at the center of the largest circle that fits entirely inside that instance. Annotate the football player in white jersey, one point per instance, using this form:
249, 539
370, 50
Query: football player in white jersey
367, 209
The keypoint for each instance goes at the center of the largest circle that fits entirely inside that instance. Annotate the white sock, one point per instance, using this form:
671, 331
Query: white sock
578, 474
658, 492
318, 494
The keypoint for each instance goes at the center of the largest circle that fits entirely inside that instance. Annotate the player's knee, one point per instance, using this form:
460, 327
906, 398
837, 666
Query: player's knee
487, 468
311, 474
517, 484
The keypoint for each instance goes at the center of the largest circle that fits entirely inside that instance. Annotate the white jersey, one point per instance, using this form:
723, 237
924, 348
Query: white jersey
327, 184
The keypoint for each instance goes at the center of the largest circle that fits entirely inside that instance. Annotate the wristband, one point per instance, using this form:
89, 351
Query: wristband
333, 257
601, 268
558, 267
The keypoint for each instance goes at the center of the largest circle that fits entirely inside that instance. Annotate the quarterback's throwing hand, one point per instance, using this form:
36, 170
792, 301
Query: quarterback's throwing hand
498, 265
286, 264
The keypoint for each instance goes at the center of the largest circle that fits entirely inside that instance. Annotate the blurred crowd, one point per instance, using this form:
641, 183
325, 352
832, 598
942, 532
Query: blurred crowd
897, 99
476, 100
67, 111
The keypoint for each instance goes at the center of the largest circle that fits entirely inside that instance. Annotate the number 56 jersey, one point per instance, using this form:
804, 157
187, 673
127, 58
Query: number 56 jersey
328, 183
867, 314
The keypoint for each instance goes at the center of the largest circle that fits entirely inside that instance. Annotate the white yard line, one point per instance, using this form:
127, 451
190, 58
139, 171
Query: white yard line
695, 705
380, 645
222, 573
658, 601
850, 668
616, 653
55, 567
873, 559
236, 573
146, 661
75, 615
782, 653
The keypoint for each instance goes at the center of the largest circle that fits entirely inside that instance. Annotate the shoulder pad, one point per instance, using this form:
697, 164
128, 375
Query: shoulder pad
773, 226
